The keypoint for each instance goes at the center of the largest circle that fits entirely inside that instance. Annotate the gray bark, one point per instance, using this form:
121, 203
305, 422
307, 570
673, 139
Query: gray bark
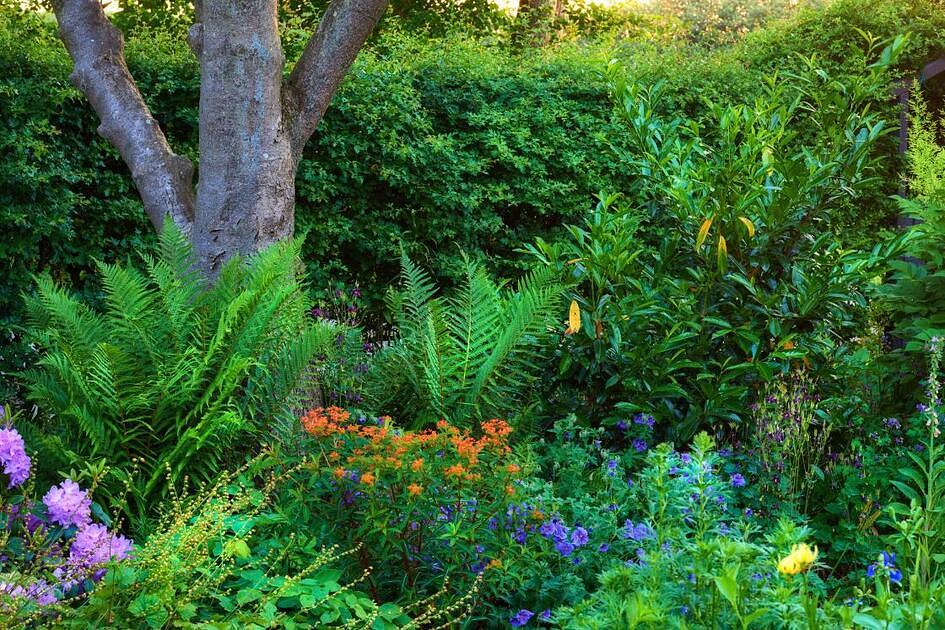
164, 180
252, 126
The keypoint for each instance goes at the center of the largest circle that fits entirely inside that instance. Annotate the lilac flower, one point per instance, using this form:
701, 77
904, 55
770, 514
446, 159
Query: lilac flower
521, 618
16, 463
68, 504
738, 481
579, 537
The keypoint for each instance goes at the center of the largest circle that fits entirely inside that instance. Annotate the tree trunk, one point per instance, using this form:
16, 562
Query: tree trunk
246, 190
253, 124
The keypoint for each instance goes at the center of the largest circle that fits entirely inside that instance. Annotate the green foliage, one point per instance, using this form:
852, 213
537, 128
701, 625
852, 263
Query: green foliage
466, 357
728, 271
915, 297
436, 146
169, 373
217, 558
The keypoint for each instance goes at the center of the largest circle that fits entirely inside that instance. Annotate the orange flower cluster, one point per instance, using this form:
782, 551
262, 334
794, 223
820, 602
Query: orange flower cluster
322, 422
410, 461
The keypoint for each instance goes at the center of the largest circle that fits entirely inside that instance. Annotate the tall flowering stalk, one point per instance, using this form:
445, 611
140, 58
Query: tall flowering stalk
792, 438
922, 532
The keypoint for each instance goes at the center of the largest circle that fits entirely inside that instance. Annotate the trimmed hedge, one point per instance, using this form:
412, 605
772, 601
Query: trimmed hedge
431, 145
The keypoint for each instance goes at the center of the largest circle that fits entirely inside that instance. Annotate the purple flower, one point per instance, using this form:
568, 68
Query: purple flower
521, 618
889, 559
685, 458
895, 576
545, 615
16, 463
68, 504
871, 571
644, 420
738, 481
622, 425
564, 548
604, 548
579, 537
639, 445
636, 532
95, 545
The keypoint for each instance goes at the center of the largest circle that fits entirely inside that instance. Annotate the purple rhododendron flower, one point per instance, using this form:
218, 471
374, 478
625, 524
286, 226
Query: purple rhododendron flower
521, 618
95, 545
68, 504
16, 463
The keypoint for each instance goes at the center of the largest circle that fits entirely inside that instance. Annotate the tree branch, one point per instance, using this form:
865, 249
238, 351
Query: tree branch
164, 180
342, 31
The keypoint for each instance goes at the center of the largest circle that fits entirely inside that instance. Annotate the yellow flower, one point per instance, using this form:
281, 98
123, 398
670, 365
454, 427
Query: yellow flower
789, 565
804, 554
800, 559
574, 318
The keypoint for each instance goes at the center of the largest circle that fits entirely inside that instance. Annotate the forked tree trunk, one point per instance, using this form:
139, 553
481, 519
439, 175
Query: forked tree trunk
253, 124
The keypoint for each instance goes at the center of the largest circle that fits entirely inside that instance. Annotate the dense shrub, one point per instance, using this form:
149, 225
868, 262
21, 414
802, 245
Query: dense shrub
436, 145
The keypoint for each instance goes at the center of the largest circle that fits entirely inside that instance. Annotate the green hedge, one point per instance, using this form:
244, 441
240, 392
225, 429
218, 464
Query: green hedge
431, 145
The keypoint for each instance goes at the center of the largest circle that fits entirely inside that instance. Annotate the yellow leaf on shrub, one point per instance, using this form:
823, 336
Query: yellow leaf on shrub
703, 233
749, 225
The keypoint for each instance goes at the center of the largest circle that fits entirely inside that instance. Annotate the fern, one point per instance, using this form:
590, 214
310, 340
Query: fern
468, 356
171, 375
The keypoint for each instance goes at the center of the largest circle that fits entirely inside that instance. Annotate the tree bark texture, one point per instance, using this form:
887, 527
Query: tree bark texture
253, 123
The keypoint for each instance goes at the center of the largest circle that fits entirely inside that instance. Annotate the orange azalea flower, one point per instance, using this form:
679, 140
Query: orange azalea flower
496, 430
414, 489
334, 456
337, 414
442, 424
417, 464
367, 479
456, 470
338, 473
